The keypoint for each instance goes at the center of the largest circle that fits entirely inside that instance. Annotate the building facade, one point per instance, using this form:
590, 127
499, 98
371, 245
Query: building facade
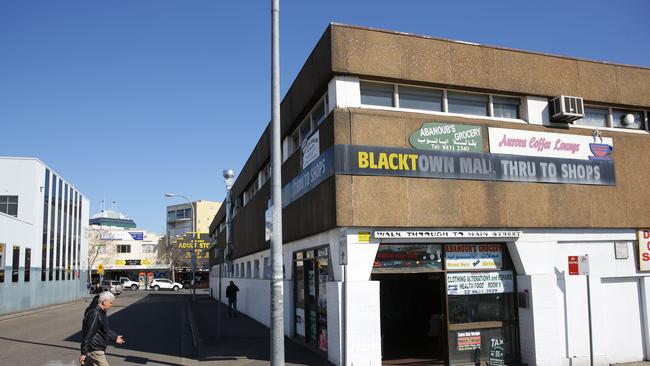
43, 248
452, 202
179, 240
120, 249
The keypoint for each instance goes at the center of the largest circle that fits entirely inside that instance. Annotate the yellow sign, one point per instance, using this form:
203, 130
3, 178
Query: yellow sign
120, 262
100, 269
364, 237
146, 262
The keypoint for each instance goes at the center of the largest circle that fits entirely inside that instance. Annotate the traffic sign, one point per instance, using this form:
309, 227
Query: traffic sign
100, 269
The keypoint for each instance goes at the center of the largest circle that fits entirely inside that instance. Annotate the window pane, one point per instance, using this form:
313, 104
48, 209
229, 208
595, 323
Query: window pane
318, 112
305, 128
620, 121
14, 263
420, 98
481, 308
596, 117
28, 263
506, 107
377, 94
463, 103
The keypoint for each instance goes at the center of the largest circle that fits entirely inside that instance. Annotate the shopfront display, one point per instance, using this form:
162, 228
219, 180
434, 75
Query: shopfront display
464, 310
312, 270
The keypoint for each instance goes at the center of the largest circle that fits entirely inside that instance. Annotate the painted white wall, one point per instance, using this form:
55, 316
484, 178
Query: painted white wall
555, 329
344, 92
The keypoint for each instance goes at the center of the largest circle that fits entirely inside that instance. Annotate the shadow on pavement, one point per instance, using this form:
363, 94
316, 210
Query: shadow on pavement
241, 337
155, 324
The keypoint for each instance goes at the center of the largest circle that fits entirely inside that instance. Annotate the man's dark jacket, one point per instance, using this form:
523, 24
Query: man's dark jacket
231, 292
95, 333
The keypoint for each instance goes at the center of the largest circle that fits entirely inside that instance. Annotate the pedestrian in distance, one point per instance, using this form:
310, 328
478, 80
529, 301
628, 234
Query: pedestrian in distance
231, 294
96, 332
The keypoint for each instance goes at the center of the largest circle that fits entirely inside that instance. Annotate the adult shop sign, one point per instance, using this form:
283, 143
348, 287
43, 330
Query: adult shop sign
393, 161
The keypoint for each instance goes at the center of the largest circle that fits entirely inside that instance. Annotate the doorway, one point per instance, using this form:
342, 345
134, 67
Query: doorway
413, 325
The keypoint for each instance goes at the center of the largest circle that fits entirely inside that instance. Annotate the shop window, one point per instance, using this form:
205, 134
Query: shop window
420, 98
481, 308
465, 103
256, 269
377, 94
267, 268
2, 262
9, 205
312, 271
15, 263
473, 346
627, 119
505, 107
28, 263
594, 117
248, 270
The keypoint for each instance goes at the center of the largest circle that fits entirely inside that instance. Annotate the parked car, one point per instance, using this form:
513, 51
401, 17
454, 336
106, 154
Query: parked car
164, 284
127, 283
114, 287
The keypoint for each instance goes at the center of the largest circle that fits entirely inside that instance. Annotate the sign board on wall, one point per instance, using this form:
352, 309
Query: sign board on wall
310, 149
402, 162
479, 283
313, 175
553, 145
467, 256
448, 137
644, 250
444, 234
578, 265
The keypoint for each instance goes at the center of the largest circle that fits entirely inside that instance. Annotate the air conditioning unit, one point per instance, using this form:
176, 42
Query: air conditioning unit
566, 109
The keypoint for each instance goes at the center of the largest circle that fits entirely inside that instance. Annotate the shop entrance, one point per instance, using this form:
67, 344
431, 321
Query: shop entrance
412, 322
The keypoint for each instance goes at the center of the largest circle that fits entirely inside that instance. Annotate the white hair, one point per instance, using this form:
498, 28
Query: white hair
106, 296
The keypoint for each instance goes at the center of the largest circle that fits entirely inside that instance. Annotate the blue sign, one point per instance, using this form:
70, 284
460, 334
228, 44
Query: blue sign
137, 235
313, 175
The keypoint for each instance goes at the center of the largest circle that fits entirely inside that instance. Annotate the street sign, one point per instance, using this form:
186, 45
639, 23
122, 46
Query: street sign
644, 249
100, 269
578, 265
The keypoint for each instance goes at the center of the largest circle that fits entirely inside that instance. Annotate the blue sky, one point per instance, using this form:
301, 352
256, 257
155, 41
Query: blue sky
131, 99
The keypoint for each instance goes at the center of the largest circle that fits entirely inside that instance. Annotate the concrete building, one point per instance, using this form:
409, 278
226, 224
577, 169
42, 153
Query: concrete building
444, 202
43, 248
123, 250
179, 238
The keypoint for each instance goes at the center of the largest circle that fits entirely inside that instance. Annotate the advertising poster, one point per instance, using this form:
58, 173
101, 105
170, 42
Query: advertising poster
479, 283
497, 352
468, 341
408, 256
448, 137
300, 321
466, 256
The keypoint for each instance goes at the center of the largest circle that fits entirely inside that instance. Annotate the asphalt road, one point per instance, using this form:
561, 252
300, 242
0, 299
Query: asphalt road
154, 325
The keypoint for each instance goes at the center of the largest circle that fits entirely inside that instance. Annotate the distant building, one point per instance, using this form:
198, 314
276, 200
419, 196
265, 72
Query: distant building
123, 250
43, 247
179, 236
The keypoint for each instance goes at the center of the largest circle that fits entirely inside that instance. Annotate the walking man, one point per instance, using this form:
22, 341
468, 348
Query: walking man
96, 333
231, 294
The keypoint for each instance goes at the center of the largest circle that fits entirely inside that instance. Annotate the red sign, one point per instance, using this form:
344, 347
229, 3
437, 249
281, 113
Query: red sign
573, 265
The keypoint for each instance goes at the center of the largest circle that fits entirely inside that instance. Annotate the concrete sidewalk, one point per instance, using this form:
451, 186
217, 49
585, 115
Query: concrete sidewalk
243, 341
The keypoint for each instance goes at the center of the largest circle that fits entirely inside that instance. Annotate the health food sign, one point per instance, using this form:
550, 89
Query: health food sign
448, 137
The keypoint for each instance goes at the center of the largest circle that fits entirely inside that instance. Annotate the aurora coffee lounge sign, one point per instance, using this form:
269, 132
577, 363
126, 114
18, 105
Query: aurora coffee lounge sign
448, 137
554, 145
402, 162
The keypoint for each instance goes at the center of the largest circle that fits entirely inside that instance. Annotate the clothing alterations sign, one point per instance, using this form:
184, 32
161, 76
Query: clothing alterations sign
479, 283
448, 137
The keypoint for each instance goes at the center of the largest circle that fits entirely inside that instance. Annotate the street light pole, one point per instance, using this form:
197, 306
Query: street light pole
228, 176
277, 294
193, 241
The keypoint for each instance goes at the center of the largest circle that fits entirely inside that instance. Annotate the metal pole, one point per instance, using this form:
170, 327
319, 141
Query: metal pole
591, 338
219, 307
344, 354
277, 311
193, 251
